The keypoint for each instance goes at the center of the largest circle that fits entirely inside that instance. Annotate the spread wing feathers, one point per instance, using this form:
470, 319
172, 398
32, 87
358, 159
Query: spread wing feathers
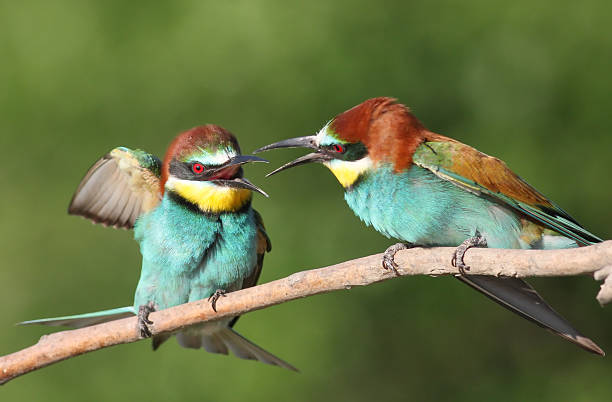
85, 320
263, 245
519, 297
118, 188
489, 177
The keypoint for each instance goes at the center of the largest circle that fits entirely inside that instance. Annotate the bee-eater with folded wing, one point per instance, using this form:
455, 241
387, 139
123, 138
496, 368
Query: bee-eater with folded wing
426, 189
198, 234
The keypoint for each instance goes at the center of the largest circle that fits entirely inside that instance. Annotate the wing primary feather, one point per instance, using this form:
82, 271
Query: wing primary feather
124, 195
109, 208
118, 188
103, 196
453, 161
519, 297
87, 192
98, 168
127, 211
135, 214
561, 225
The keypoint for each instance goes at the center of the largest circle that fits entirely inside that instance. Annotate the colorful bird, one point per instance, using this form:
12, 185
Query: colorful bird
198, 234
426, 189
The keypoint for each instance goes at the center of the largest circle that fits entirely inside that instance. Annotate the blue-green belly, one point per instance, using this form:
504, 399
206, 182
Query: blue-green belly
188, 255
417, 206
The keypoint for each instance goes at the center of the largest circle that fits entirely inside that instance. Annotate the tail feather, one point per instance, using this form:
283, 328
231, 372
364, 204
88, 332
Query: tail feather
213, 344
221, 340
193, 339
245, 349
239, 348
159, 339
518, 296
84, 320
226, 339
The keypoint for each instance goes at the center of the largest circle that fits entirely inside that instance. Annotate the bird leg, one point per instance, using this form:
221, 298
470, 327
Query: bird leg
214, 297
388, 260
476, 241
143, 319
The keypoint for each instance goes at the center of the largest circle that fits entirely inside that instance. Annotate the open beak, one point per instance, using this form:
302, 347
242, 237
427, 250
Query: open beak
236, 161
302, 160
238, 182
299, 142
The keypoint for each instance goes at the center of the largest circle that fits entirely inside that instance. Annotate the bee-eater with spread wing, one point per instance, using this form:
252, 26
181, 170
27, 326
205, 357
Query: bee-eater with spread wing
198, 234
426, 189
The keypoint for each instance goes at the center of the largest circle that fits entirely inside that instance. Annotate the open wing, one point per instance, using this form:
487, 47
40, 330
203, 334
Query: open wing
118, 188
489, 177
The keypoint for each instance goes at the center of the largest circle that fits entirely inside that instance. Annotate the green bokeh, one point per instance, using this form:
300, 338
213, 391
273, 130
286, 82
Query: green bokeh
529, 83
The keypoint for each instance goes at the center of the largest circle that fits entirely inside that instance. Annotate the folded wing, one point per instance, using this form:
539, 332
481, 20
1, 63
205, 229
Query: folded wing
263, 246
489, 177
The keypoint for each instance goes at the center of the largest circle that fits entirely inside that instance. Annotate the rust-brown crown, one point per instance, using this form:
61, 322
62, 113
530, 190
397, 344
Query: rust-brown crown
187, 142
388, 129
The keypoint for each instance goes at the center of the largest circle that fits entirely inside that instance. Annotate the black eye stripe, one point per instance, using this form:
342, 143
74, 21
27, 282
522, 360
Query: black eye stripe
347, 152
187, 170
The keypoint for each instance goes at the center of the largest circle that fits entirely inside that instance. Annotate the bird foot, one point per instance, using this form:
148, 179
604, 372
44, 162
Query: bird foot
143, 319
215, 296
388, 260
476, 241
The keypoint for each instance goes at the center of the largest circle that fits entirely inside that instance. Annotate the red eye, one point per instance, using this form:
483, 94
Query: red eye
338, 148
197, 168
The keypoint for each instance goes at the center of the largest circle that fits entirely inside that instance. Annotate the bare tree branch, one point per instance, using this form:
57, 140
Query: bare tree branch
360, 272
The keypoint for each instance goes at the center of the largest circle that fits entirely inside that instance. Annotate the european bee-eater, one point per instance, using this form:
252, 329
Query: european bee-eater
426, 189
198, 234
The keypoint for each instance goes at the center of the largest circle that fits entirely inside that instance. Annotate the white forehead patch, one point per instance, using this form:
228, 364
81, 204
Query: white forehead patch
323, 136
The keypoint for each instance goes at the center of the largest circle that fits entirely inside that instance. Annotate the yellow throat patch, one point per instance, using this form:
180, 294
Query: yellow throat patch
346, 172
210, 197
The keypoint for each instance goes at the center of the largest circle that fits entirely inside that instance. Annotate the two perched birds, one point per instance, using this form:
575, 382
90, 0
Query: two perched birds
200, 237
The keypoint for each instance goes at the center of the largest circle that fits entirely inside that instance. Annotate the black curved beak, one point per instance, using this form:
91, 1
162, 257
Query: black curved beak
237, 160
302, 160
239, 182
299, 142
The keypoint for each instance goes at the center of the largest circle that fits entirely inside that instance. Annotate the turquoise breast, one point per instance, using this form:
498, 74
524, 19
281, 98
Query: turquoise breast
187, 254
418, 207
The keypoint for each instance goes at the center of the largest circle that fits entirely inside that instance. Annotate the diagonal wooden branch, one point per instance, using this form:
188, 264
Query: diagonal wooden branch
360, 272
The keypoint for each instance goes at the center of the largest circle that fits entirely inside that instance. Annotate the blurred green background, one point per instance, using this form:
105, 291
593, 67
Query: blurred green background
529, 83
